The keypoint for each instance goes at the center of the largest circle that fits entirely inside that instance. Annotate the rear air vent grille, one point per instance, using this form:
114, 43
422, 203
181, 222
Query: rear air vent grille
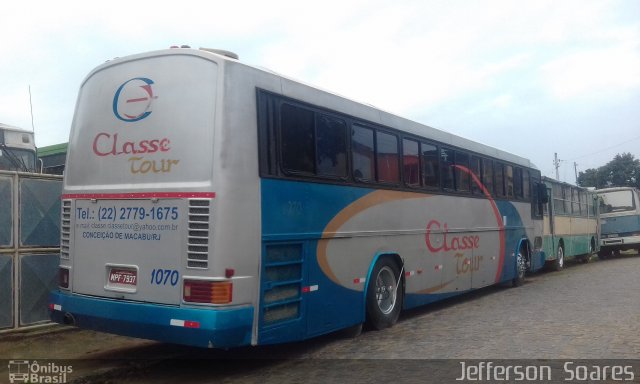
198, 237
65, 229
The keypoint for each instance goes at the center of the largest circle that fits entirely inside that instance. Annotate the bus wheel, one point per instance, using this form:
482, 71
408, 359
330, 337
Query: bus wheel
521, 269
587, 257
384, 294
558, 263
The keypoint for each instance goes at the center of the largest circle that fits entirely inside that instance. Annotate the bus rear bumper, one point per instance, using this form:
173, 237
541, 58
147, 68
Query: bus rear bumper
206, 327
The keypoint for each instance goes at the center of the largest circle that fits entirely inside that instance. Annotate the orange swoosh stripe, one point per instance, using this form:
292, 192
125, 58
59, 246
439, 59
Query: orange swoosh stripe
372, 199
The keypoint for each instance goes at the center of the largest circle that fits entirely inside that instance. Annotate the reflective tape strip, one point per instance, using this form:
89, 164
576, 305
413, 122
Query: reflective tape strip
359, 280
55, 307
410, 273
311, 288
438, 267
184, 323
177, 323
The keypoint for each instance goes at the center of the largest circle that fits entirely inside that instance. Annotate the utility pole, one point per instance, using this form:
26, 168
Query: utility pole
575, 167
556, 163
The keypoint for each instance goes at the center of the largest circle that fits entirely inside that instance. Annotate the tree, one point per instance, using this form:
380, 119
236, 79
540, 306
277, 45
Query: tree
591, 178
622, 171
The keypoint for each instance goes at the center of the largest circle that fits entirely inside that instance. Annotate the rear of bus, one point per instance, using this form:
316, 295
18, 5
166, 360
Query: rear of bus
139, 207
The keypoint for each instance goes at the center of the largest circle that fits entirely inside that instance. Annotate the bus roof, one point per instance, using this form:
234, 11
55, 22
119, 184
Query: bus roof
302, 91
614, 189
8, 127
554, 181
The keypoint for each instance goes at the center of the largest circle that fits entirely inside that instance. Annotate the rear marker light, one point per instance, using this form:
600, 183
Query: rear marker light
63, 278
210, 292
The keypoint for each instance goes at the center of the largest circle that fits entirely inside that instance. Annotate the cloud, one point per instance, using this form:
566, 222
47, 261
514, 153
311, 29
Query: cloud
482, 68
603, 72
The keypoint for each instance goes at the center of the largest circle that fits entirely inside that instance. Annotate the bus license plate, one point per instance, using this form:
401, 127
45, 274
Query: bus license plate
123, 276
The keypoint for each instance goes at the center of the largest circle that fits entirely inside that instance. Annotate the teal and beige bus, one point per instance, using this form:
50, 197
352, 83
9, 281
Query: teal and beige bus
620, 220
570, 223
213, 203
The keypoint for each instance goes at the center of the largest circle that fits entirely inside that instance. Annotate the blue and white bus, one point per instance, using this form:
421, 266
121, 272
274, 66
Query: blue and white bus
619, 220
211, 203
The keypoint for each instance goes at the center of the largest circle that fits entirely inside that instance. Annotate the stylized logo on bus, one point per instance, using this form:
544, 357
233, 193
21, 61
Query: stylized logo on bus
132, 101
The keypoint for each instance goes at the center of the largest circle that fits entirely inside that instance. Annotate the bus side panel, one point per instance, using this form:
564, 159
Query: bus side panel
297, 299
320, 242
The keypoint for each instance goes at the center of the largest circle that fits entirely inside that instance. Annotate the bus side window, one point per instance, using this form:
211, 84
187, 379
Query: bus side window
526, 185
298, 142
475, 167
331, 146
462, 176
487, 175
508, 178
566, 198
430, 165
387, 161
517, 183
447, 162
498, 173
411, 162
584, 205
558, 203
362, 153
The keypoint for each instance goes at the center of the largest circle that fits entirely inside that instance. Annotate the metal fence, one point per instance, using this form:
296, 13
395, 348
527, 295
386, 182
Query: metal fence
29, 246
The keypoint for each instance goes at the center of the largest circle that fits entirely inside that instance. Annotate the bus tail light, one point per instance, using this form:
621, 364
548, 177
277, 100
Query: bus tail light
210, 292
63, 278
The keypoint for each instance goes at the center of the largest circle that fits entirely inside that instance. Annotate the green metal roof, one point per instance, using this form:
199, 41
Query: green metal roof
52, 150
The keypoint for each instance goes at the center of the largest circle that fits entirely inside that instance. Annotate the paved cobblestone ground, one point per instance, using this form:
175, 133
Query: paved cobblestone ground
587, 311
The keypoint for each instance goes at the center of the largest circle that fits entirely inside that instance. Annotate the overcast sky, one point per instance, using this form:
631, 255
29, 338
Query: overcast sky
532, 77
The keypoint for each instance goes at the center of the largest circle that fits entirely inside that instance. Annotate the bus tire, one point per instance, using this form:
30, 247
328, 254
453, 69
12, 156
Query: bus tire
587, 258
558, 263
521, 270
384, 294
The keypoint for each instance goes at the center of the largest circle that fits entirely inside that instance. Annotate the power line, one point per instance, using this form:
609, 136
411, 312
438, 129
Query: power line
605, 149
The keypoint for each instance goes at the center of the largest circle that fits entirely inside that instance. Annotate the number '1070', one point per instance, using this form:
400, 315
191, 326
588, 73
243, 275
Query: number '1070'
164, 277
